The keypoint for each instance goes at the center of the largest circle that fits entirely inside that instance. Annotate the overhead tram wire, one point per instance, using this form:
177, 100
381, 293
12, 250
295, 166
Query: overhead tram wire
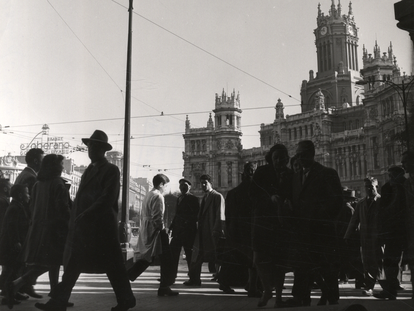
103, 68
211, 54
132, 117
86, 48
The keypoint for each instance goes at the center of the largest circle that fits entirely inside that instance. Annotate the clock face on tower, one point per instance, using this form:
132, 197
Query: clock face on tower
323, 31
351, 30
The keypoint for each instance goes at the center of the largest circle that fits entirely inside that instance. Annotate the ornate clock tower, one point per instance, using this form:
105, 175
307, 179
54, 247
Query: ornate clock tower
336, 40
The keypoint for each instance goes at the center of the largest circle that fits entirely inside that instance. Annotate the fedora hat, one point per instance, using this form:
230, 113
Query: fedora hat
99, 137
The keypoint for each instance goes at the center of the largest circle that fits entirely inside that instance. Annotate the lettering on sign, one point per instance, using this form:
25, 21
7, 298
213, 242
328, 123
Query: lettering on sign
54, 145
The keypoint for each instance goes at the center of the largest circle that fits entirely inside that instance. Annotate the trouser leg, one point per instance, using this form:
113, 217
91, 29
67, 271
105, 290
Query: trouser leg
117, 276
54, 277
64, 289
31, 274
168, 271
279, 280
302, 285
392, 257
188, 242
195, 269
253, 278
371, 275
137, 269
9, 273
265, 270
175, 248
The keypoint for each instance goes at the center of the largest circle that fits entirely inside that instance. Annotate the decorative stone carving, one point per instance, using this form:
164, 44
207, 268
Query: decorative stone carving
229, 144
219, 144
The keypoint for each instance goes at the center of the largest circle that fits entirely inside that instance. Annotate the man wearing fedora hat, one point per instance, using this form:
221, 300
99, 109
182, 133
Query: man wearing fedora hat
93, 245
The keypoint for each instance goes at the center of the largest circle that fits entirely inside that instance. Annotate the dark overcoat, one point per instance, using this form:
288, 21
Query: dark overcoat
239, 216
27, 177
93, 241
409, 221
239, 222
267, 234
4, 204
316, 206
184, 224
209, 229
367, 218
393, 213
16, 225
48, 229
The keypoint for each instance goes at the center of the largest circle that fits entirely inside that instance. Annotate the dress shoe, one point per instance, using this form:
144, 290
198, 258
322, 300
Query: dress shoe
368, 292
280, 304
385, 295
50, 306
69, 304
20, 296
265, 298
254, 293
124, 306
166, 291
359, 285
292, 303
31, 292
226, 289
4, 302
399, 288
192, 283
322, 301
10, 292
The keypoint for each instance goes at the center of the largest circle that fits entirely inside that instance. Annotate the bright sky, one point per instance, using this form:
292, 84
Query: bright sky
63, 63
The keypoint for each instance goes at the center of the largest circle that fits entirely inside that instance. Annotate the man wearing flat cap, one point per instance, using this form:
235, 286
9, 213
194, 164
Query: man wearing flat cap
93, 245
184, 224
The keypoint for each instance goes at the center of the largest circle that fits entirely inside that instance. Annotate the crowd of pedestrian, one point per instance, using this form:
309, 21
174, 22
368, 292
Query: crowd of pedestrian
289, 215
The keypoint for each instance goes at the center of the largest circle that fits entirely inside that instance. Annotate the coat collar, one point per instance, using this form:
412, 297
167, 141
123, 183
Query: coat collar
91, 171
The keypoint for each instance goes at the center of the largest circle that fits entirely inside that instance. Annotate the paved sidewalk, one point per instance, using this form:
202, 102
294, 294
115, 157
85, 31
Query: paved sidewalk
93, 292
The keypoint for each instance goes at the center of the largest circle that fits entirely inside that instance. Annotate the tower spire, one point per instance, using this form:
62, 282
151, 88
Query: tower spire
350, 9
339, 8
333, 9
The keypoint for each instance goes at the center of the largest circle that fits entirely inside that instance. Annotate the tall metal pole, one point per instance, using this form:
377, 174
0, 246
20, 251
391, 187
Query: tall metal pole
123, 229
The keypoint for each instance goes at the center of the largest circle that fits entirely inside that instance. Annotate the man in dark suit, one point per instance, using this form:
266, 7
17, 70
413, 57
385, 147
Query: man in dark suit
317, 201
184, 224
5, 187
210, 230
392, 230
28, 177
93, 245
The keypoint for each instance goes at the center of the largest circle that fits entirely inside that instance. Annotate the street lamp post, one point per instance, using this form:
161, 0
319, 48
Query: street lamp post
402, 90
127, 135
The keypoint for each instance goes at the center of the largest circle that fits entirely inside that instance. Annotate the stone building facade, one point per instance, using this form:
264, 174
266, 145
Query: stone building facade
351, 124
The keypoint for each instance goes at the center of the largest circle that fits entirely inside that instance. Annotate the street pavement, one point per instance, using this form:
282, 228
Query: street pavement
94, 293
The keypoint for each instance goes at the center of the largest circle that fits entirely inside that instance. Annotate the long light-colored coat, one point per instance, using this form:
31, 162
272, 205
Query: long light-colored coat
209, 227
152, 215
367, 217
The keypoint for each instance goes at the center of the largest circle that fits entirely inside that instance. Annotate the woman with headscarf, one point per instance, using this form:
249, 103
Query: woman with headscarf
45, 241
270, 188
